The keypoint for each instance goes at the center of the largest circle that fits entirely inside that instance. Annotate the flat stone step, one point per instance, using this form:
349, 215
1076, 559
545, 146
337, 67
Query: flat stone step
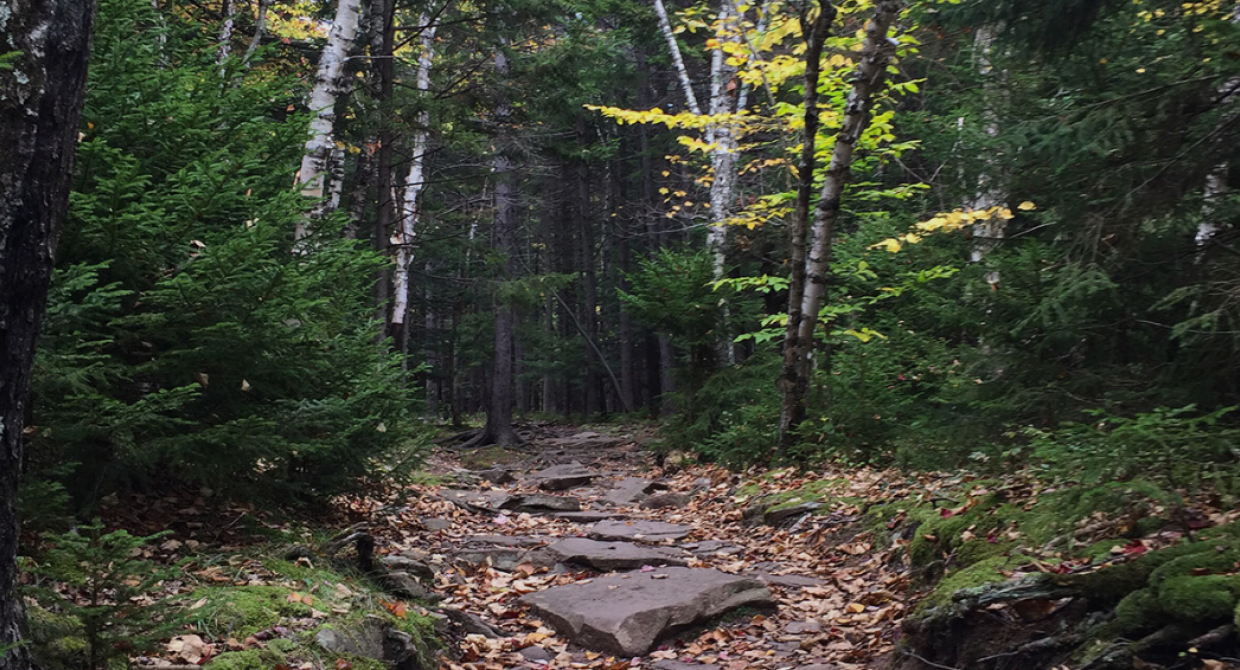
475, 501
641, 531
632, 490
542, 502
609, 556
628, 614
589, 516
562, 477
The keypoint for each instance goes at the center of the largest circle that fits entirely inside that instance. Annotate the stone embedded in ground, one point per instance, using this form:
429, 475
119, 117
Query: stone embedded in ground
627, 614
476, 501
610, 556
803, 627
432, 524
668, 664
588, 516
507, 540
788, 581
541, 502
562, 477
667, 499
411, 565
583, 439
631, 490
709, 547
372, 638
495, 475
777, 516
642, 531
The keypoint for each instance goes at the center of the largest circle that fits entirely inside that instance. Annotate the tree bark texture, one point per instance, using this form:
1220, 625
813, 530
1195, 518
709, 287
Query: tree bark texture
328, 83
40, 108
876, 53
815, 33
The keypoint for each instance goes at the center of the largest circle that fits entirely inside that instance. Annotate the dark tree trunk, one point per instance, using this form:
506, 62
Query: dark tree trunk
589, 286
498, 429
383, 27
791, 381
40, 107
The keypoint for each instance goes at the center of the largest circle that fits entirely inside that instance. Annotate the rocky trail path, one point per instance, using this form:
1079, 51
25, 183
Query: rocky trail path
579, 552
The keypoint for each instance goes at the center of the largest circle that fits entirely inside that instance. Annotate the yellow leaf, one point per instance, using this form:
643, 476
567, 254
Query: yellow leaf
1026, 206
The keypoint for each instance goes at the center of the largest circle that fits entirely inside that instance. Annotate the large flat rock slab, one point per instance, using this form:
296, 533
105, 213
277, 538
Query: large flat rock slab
477, 501
632, 490
562, 477
640, 531
610, 556
542, 502
628, 614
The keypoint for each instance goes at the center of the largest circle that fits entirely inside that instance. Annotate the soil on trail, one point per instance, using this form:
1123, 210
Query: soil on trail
504, 530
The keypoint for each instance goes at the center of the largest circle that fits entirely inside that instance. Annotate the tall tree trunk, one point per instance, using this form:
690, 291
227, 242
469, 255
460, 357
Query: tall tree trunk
409, 212
229, 9
589, 292
815, 32
987, 234
1216, 182
328, 83
876, 53
382, 27
498, 429
665, 26
260, 29
40, 108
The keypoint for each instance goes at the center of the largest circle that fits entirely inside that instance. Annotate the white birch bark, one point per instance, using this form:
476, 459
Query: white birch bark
226, 31
665, 26
408, 214
987, 234
328, 84
1216, 182
876, 53
260, 29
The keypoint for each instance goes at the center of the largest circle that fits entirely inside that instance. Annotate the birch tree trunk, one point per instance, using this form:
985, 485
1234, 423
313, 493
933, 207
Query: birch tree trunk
260, 29
229, 10
665, 26
409, 213
815, 34
1216, 182
876, 53
987, 234
328, 83
40, 108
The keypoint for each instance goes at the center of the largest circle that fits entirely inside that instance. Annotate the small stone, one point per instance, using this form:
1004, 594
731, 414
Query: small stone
536, 653
435, 525
563, 477
498, 476
803, 627
776, 516
667, 499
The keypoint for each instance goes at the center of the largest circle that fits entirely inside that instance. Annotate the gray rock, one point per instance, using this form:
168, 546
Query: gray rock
608, 556
703, 483
476, 501
500, 558
496, 476
819, 666
589, 516
434, 525
709, 547
541, 502
403, 585
632, 490
668, 664
372, 638
803, 627
563, 477
507, 540
641, 531
627, 614
403, 563
777, 516
789, 581
464, 623
537, 654
667, 499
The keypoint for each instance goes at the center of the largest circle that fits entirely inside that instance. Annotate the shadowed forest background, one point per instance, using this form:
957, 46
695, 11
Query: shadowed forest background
308, 238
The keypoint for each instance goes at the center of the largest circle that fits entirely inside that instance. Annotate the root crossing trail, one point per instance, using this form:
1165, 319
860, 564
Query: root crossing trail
579, 552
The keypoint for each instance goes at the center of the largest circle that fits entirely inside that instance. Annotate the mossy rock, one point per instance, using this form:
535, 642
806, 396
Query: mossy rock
244, 610
1199, 558
982, 573
1138, 613
251, 659
1198, 599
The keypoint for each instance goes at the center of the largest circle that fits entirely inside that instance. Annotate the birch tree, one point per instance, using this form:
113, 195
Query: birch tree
328, 84
409, 212
815, 33
41, 92
876, 53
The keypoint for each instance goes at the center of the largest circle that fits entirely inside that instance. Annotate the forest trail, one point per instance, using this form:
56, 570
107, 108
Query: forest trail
579, 551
